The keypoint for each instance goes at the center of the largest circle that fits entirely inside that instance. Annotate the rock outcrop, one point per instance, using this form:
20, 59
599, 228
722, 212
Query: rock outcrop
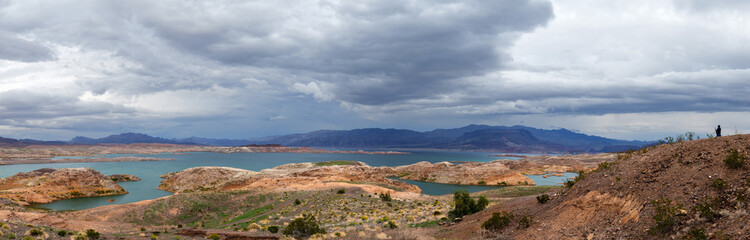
543, 164
124, 178
47, 185
471, 173
289, 177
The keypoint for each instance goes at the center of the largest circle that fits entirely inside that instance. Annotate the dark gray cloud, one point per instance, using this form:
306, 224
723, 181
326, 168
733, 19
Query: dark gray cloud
17, 49
22, 105
373, 53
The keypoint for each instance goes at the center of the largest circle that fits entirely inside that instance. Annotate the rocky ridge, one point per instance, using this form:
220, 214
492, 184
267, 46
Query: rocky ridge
47, 185
470, 173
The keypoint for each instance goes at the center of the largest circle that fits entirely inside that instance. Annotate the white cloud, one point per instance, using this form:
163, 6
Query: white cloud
313, 89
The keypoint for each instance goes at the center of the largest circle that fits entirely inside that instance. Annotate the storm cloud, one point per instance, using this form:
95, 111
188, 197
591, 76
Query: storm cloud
212, 67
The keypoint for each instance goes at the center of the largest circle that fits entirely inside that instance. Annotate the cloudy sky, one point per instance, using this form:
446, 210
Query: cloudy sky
638, 69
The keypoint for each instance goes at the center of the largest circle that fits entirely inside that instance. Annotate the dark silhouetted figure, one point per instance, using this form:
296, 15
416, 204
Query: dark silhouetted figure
718, 131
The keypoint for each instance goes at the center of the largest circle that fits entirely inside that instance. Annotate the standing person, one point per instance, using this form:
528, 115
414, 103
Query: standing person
718, 131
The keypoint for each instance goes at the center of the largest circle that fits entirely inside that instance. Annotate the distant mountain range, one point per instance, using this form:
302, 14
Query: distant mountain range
126, 138
469, 138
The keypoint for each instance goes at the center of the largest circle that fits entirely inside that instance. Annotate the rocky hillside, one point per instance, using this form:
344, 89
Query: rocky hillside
473, 173
686, 190
47, 185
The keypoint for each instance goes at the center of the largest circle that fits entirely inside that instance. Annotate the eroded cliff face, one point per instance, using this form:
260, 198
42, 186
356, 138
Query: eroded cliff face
289, 177
472, 173
47, 185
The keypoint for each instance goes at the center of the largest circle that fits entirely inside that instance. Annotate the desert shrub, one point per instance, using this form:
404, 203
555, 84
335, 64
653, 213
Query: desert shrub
498, 221
435, 213
482, 183
696, 234
664, 217
214, 236
502, 184
153, 237
391, 225
735, 159
62, 233
303, 227
35, 232
708, 209
341, 191
719, 184
605, 166
273, 229
525, 221
542, 198
80, 237
465, 205
385, 197
482, 203
11, 236
27, 238
92, 234
297, 202
569, 183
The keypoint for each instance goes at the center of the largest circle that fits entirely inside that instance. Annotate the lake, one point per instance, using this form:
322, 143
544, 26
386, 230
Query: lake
150, 171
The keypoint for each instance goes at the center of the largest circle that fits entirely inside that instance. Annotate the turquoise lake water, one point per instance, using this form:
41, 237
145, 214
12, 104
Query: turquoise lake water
150, 171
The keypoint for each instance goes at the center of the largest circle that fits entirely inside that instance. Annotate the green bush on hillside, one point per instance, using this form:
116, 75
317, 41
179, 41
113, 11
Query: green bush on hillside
696, 234
303, 227
542, 198
36, 232
498, 221
465, 205
664, 217
525, 221
386, 197
92, 234
735, 159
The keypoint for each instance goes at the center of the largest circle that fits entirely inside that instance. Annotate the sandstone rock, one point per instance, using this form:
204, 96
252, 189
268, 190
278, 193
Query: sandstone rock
47, 185
204, 178
472, 173
289, 177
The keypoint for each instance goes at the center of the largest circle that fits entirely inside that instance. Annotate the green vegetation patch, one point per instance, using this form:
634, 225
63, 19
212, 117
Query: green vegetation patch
518, 191
426, 224
666, 210
252, 213
335, 163
498, 221
465, 205
735, 159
